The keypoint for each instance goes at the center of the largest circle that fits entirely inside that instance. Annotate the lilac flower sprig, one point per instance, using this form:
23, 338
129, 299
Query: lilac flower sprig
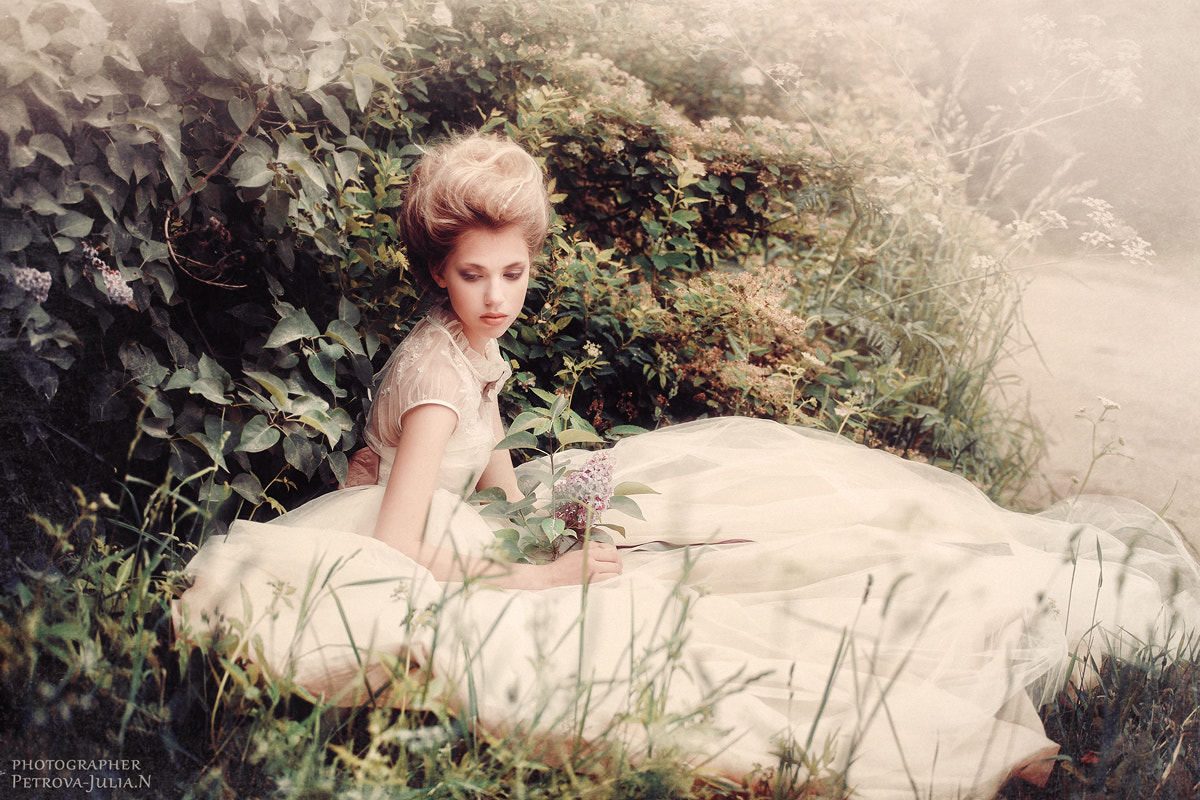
560, 507
582, 495
115, 286
33, 281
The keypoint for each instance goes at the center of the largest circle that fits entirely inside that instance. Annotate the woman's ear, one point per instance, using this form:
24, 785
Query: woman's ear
439, 276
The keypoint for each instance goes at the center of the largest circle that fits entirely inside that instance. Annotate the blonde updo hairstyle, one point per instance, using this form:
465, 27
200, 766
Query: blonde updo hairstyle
471, 181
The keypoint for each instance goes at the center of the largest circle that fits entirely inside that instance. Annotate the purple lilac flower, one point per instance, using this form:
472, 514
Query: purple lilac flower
584, 490
34, 281
118, 290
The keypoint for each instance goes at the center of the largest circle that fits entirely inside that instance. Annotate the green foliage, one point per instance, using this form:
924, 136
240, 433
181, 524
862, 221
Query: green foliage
208, 191
198, 257
83, 652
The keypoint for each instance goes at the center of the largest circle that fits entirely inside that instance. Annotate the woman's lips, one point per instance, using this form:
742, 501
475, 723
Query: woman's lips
494, 319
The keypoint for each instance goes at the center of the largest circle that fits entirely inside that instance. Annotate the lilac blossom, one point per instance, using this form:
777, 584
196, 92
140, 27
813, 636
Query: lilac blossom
118, 290
34, 281
582, 495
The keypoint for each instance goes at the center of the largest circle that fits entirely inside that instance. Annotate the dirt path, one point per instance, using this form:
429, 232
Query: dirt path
1131, 335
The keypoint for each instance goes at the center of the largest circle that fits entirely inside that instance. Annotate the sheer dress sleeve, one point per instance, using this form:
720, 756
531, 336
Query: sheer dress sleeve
423, 371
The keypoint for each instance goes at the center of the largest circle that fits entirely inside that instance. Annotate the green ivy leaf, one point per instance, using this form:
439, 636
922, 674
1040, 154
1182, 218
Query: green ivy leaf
526, 420
210, 389
297, 325
345, 334
167, 130
248, 486
327, 424
625, 506
334, 112
162, 275
51, 147
324, 65
74, 225
181, 379
195, 25
517, 440
210, 448
251, 170
300, 453
258, 435
141, 364
372, 69
626, 488
626, 430
321, 366
340, 465
577, 436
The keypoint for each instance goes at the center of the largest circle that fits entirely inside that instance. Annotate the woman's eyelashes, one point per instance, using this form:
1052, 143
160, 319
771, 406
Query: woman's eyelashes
512, 275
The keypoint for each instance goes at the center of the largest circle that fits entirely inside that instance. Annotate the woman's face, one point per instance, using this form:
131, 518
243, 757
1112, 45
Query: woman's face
486, 277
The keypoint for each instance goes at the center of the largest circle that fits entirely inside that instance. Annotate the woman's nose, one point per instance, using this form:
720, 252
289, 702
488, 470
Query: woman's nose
492, 293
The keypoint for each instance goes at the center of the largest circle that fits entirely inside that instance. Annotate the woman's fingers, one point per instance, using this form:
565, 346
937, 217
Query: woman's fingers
597, 562
603, 561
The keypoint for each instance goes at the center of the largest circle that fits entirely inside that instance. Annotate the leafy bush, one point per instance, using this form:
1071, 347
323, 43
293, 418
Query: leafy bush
207, 192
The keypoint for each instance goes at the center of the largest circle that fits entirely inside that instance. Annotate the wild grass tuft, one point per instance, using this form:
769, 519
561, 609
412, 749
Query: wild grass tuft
1132, 733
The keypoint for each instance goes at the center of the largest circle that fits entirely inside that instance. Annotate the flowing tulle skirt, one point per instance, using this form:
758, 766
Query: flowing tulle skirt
787, 589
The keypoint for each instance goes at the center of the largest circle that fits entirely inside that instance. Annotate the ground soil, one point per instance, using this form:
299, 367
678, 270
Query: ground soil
1129, 334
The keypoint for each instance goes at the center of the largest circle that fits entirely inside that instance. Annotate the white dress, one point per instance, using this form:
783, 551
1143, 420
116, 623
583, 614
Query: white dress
882, 612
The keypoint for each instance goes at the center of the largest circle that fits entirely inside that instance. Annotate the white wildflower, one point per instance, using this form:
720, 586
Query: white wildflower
1053, 220
1137, 250
1096, 239
752, 76
984, 263
443, 16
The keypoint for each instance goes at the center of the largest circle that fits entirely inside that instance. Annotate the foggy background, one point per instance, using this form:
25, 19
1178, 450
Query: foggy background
1143, 155
1104, 327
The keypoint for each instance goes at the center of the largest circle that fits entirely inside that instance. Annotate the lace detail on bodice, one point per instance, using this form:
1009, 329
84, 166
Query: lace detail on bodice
436, 364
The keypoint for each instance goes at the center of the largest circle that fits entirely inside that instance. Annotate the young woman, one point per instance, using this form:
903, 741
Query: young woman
786, 588
475, 215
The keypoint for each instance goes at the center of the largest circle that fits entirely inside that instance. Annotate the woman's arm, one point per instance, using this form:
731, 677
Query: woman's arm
499, 471
425, 431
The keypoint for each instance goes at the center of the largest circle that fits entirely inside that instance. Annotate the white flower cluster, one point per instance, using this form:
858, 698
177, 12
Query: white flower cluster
1108, 230
34, 281
118, 290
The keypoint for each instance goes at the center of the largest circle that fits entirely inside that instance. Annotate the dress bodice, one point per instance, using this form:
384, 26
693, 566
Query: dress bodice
435, 364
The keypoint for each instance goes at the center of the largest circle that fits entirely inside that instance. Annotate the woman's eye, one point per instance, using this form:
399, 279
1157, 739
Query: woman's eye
469, 277
514, 276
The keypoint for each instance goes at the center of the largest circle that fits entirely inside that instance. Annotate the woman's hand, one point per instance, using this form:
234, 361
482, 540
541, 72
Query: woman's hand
589, 564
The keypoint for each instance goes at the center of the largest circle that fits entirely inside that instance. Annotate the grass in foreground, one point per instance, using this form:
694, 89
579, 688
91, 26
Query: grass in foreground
90, 671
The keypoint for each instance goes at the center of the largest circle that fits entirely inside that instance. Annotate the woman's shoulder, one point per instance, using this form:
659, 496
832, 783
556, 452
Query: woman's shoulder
428, 350
442, 329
